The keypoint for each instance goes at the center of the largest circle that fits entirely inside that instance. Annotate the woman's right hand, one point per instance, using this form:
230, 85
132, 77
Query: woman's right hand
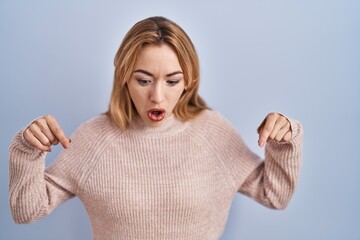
45, 132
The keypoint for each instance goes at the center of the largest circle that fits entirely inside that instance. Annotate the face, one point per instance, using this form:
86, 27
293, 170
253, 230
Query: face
156, 83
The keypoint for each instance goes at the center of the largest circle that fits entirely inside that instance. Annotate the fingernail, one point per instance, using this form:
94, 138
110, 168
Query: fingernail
68, 144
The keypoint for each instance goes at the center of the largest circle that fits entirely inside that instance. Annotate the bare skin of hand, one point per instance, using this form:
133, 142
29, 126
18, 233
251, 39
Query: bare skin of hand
45, 132
274, 127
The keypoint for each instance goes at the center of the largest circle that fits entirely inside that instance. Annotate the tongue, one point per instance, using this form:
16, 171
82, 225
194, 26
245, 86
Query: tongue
156, 115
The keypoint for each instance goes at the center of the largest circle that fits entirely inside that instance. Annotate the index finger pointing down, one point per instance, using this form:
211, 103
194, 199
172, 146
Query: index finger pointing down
266, 130
57, 131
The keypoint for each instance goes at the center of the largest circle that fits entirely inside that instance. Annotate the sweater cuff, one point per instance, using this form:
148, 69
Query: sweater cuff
20, 143
297, 131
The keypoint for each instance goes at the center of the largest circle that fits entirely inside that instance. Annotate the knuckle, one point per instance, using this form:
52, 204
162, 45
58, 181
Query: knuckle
35, 122
271, 115
267, 128
55, 130
26, 131
31, 128
26, 134
282, 120
48, 117
41, 121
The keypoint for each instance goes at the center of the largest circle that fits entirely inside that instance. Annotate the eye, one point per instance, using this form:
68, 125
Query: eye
172, 82
143, 82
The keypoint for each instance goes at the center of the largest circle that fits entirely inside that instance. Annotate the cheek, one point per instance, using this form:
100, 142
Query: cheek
137, 96
175, 96
139, 100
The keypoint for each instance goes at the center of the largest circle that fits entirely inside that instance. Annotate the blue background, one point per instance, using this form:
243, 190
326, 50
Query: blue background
301, 58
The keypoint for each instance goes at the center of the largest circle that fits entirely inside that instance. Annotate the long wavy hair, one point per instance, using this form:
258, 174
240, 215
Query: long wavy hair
154, 30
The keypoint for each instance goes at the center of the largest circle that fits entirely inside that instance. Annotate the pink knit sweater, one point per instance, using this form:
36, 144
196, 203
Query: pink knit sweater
175, 181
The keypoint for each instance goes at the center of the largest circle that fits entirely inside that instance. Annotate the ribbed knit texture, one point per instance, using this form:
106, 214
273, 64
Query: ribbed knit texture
174, 181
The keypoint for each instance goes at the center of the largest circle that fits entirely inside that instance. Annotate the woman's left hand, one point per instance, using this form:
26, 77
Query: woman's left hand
274, 127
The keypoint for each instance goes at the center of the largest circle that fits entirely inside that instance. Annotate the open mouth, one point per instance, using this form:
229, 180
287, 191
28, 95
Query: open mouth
156, 115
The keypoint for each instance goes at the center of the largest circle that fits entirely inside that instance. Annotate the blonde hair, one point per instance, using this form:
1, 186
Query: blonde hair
154, 30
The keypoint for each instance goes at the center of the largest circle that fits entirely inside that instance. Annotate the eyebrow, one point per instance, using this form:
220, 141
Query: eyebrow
152, 75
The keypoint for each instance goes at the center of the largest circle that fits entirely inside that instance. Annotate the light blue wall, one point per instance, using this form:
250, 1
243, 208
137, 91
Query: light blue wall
301, 58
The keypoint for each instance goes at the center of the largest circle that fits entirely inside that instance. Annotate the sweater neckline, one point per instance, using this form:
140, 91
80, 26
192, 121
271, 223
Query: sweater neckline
169, 126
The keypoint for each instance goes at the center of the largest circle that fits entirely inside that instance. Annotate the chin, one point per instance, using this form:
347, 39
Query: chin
155, 124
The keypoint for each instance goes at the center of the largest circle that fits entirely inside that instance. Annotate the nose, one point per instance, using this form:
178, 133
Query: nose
157, 93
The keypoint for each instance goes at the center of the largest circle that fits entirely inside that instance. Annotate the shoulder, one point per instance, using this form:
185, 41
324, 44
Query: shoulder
212, 118
97, 128
97, 123
211, 123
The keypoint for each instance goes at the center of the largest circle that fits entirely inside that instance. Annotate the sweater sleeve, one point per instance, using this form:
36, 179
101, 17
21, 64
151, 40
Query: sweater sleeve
32, 193
271, 181
35, 192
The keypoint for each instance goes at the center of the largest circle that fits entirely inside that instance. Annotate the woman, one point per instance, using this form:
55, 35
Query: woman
159, 164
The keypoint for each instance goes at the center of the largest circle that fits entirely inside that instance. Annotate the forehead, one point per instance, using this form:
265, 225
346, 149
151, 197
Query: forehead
157, 57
